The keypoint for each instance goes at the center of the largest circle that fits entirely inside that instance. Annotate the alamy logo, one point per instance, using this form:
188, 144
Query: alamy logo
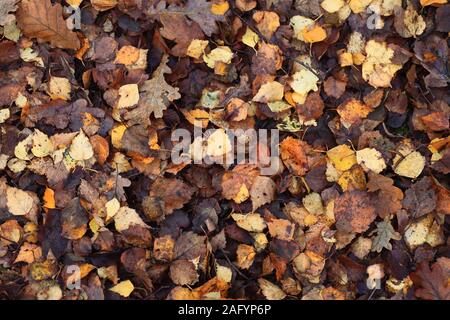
73, 22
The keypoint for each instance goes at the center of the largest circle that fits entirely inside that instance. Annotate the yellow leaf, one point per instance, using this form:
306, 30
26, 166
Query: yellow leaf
127, 55
332, 6
270, 290
267, 22
359, 6
219, 7
345, 58
269, 92
103, 5
74, 3
196, 48
219, 54
129, 96
112, 207
299, 23
250, 38
124, 288
42, 146
197, 117
224, 273
252, 222
22, 149
218, 144
353, 179
242, 195
245, 255
417, 232
313, 203
342, 157
378, 69
59, 88
370, 159
19, 202
127, 217
117, 134
4, 115
410, 164
81, 148
29, 253
304, 81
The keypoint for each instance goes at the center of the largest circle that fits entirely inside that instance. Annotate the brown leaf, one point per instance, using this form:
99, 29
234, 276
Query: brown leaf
40, 19
354, 211
334, 88
155, 96
171, 192
293, 154
432, 284
183, 272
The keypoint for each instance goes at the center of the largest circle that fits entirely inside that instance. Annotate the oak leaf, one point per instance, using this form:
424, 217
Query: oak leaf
432, 284
385, 233
156, 94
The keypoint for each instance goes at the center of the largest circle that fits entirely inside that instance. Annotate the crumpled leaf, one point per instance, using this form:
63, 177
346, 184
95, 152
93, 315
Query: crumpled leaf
251, 222
156, 95
270, 290
378, 68
385, 233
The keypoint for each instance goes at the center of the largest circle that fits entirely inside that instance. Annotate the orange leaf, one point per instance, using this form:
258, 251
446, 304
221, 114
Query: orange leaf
314, 34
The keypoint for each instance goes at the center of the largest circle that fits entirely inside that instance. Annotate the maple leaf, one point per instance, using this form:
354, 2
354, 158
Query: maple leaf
385, 232
432, 283
156, 95
40, 19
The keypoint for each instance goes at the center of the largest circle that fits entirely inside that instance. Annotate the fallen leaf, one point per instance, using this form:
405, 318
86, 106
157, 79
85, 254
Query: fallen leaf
19, 202
245, 255
370, 159
269, 92
270, 290
44, 21
81, 148
129, 96
155, 96
251, 222
378, 68
123, 288
385, 233
59, 88
342, 157
262, 191
293, 154
267, 22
